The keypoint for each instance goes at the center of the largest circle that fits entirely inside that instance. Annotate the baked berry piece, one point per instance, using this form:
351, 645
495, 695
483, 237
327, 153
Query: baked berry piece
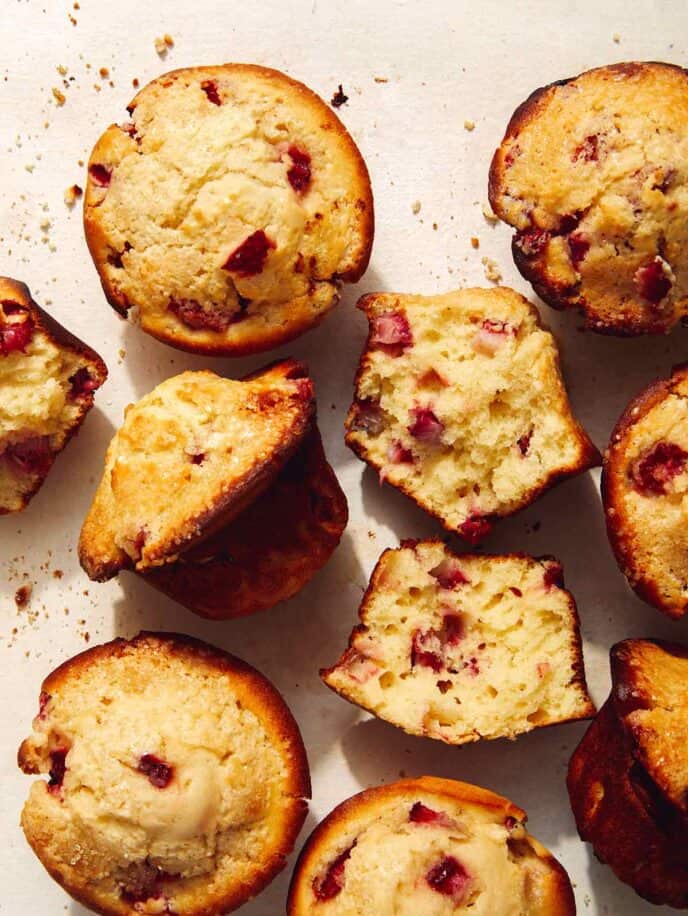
270, 551
460, 404
591, 174
644, 490
47, 381
455, 848
176, 778
190, 457
463, 647
627, 779
228, 211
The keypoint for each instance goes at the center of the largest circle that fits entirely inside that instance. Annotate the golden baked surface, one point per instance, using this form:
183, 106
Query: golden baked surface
427, 846
465, 647
270, 551
47, 381
645, 493
188, 458
460, 404
176, 778
592, 175
228, 210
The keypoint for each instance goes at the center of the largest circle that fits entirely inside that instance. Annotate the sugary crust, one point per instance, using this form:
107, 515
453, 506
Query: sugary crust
271, 550
551, 888
616, 809
578, 682
650, 696
257, 695
290, 408
17, 292
647, 571
588, 454
274, 319
570, 193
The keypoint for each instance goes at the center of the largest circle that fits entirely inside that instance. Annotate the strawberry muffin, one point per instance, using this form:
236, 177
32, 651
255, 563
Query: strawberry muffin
225, 215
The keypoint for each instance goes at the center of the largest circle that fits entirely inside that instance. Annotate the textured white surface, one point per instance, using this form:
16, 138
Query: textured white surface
442, 63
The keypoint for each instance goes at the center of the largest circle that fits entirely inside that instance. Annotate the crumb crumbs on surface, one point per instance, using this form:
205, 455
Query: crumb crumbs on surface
57, 574
381, 79
135, 82
489, 214
616, 38
104, 72
339, 98
72, 194
22, 596
469, 125
492, 271
59, 96
415, 207
475, 241
61, 69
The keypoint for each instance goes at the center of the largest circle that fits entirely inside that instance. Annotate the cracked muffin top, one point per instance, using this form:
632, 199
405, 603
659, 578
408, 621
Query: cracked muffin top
176, 778
228, 210
592, 175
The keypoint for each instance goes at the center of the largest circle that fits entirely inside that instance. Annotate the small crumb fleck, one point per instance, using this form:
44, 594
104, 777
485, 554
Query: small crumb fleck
492, 271
60, 97
339, 98
415, 207
22, 595
475, 242
616, 38
160, 47
29, 167
469, 125
135, 82
62, 70
72, 194
381, 79
489, 215
57, 574
104, 72
169, 41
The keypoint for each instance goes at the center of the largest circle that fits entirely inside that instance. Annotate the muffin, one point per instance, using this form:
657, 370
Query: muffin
189, 458
460, 404
270, 551
465, 647
225, 215
182, 799
47, 381
645, 491
427, 846
628, 776
591, 175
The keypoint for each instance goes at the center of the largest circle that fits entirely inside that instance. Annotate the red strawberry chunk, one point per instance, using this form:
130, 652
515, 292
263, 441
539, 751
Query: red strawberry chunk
82, 383
299, 173
249, 258
652, 472
32, 456
158, 773
43, 701
588, 150
101, 175
652, 282
421, 814
368, 417
426, 427
194, 315
523, 442
450, 878
332, 882
390, 331
397, 454
554, 576
449, 573
531, 242
15, 335
428, 647
492, 335
210, 89
475, 528
58, 768
579, 246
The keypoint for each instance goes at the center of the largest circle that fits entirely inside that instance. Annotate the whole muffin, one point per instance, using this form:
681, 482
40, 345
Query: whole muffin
464, 647
627, 778
460, 404
177, 778
427, 846
227, 212
48, 378
644, 489
592, 175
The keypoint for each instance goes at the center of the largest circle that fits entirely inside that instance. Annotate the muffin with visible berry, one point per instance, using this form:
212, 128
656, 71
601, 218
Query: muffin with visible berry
190, 457
464, 647
627, 778
591, 174
176, 778
644, 489
271, 550
455, 848
47, 381
460, 404
226, 214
